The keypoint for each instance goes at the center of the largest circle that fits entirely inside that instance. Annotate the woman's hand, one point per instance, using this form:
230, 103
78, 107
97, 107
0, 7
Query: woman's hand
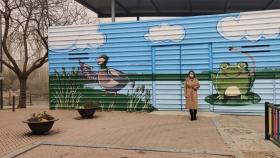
196, 87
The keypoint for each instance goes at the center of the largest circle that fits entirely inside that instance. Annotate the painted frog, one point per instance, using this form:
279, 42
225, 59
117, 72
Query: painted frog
233, 80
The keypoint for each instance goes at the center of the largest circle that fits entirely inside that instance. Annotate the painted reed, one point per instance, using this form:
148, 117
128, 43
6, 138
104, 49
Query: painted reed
66, 91
139, 98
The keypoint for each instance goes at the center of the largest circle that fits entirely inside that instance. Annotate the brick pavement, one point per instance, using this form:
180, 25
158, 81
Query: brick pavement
162, 134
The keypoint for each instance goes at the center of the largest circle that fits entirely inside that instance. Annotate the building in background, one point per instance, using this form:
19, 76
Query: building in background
143, 64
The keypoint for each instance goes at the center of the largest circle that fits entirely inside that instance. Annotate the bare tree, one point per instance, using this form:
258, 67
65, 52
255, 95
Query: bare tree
25, 38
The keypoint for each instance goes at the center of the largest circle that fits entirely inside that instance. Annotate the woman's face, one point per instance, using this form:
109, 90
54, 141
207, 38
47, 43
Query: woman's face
191, 75
101, 61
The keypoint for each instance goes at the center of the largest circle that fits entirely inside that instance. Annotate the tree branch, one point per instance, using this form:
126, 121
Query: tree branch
38, 63
8, 65
4, 43
25, 36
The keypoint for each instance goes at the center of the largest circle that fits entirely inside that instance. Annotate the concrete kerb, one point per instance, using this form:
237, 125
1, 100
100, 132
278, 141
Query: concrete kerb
100, 146
22, 150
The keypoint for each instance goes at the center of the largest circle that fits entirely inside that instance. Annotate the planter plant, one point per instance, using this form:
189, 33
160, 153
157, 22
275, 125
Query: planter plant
88, 109
40, 123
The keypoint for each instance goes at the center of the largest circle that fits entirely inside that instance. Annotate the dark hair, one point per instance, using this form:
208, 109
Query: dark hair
104, 56
192, 72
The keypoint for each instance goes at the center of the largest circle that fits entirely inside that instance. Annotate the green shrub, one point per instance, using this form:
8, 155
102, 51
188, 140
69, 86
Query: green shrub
90, 105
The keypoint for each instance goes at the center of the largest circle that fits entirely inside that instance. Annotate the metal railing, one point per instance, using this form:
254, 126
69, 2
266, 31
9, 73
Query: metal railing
272, 122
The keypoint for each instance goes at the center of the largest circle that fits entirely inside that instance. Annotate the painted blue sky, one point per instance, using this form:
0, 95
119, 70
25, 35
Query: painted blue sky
166, 46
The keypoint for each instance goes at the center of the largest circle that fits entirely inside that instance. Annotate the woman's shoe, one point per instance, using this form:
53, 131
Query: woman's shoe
194, 113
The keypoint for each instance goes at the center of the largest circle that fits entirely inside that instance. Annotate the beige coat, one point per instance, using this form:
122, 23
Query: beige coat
190, 88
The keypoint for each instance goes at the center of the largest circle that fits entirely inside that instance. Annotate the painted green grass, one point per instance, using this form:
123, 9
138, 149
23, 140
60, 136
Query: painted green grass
67, 92
112, 101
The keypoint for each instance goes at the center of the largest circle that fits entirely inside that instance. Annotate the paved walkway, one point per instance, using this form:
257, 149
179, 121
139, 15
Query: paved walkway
126, 135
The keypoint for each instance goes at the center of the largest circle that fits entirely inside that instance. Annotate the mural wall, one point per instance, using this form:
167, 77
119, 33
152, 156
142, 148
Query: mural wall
141, 66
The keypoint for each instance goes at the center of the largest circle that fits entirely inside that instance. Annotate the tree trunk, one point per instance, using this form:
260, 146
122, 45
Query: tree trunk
22, 95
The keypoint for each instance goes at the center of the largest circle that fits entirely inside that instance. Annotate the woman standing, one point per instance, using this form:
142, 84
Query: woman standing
190, 88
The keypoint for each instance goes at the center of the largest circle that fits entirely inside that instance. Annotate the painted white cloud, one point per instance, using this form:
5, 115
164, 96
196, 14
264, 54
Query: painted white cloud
251, 25
75, 37
166, 32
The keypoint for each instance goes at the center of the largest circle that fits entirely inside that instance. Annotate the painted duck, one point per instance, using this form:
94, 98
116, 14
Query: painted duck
111, 80
88, 71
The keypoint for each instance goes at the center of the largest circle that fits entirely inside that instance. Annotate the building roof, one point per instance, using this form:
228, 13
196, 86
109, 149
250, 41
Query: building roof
141, 8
